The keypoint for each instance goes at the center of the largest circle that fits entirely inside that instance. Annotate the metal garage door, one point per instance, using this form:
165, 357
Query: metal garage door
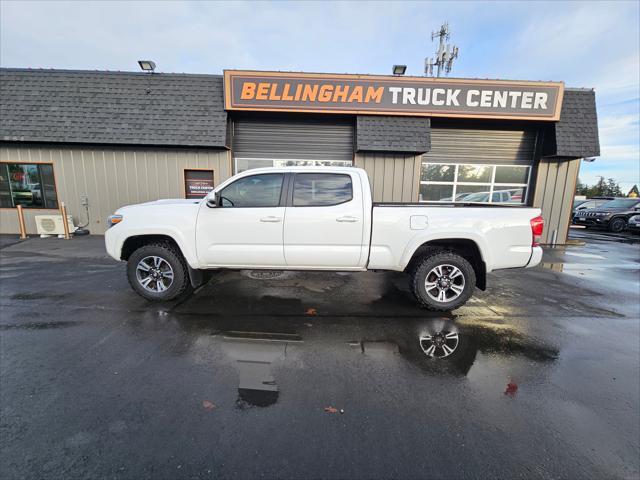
272, 141
462, 145
478, 165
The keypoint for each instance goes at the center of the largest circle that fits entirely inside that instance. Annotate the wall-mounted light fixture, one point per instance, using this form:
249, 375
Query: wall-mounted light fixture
399, 69
147, 65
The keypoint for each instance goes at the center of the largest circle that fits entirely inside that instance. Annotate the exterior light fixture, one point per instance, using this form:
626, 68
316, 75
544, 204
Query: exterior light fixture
399, 69
147, 65
590, 159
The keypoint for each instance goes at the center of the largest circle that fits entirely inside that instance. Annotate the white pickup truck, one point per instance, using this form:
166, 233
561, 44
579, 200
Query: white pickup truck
319, 218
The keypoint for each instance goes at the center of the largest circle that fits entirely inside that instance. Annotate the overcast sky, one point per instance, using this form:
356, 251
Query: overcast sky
585, 44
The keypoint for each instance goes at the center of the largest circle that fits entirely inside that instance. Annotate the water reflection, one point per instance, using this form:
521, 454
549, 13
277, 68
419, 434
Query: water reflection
435, 346
254, 355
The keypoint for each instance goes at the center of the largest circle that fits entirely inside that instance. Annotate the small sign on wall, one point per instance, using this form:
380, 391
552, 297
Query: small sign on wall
197, 183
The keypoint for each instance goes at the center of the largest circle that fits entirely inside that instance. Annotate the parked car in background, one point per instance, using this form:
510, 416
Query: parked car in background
590, 203
612, 215
634, 224
498, 196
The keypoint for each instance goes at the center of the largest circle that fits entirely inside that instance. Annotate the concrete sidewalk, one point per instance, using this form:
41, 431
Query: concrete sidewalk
90, 246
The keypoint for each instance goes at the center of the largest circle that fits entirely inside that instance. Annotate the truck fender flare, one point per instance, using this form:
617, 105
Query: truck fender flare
175, 235
418, 242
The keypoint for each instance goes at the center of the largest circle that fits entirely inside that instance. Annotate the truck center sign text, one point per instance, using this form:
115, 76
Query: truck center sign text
379, 95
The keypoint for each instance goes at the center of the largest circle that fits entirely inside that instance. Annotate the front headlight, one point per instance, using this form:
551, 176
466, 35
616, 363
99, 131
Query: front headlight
113, 219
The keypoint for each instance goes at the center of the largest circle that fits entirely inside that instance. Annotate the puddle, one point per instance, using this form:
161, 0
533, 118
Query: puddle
585, 255
254, 354
265, 274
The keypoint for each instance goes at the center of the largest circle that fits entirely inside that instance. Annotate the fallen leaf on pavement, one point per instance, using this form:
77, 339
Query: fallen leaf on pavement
512, 388
208, 405
330, 410
311, 311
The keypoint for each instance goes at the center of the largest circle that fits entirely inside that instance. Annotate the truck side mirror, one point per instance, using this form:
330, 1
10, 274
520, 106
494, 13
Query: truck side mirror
212, 200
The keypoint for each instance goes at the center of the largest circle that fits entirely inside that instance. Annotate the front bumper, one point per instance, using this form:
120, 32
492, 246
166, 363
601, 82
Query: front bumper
113, 243
591, 221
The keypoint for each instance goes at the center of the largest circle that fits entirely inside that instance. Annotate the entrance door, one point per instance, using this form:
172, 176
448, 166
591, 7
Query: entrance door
245, 230
324, 223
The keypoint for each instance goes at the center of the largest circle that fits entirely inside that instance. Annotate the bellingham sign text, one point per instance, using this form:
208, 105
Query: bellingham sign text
383, 95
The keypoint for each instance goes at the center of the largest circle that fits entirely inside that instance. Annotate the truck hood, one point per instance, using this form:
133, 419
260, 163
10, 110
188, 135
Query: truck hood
602, 210
172, 201
164, 202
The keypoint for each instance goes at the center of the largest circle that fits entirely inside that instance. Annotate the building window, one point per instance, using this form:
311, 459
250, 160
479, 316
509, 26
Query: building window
243, 164
442, 182
197, 183
31, 185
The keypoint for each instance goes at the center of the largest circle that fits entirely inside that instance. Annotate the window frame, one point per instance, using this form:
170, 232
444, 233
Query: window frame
490, 185
294, 175
38, 164
284, 187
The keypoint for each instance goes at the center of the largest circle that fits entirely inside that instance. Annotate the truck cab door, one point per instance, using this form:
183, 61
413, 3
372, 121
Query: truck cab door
324, 224
245, 229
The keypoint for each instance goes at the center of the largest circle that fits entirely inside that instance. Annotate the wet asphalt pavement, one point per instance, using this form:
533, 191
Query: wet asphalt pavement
249, 377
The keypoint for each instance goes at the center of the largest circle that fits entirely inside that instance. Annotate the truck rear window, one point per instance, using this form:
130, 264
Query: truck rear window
321, 189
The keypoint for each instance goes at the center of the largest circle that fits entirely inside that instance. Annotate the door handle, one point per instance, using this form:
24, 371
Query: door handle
271, 219
348, 219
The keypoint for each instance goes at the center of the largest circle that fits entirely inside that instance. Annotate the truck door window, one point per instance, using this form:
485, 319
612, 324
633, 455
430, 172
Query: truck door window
254, 191
321, 189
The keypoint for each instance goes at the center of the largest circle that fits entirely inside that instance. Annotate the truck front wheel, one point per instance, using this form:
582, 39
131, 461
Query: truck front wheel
158, 272
443, 281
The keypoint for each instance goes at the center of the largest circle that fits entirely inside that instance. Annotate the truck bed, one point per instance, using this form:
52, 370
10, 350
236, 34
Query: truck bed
502, 234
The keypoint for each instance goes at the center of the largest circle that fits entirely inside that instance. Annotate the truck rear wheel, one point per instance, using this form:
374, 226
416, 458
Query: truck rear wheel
157, 271
442, 281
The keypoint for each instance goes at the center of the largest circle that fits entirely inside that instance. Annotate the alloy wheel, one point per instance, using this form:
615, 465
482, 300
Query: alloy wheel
154, 274
444, 283
440, 341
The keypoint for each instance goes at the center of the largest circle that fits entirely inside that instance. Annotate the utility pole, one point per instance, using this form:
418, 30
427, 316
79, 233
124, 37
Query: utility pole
445, 54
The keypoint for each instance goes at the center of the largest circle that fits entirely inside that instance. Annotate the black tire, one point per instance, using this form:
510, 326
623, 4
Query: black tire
617, 225
180, 284
424, 267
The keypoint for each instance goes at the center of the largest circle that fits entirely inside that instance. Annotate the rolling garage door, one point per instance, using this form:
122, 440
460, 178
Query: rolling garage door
478, 165
275, 141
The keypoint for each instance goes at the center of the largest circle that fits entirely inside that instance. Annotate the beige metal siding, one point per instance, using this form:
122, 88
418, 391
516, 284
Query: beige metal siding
394, 178
555, 188
111, 178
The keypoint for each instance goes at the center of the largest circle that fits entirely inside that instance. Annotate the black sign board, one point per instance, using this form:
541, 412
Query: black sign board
197, 183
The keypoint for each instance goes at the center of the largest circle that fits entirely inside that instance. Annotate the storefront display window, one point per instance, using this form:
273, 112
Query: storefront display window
465, 183
31, 185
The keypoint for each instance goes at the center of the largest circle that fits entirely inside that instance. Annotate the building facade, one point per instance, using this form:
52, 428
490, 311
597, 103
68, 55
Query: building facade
100, 140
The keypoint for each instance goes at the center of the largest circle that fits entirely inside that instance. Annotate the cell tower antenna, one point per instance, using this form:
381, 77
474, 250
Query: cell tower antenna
445, 55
